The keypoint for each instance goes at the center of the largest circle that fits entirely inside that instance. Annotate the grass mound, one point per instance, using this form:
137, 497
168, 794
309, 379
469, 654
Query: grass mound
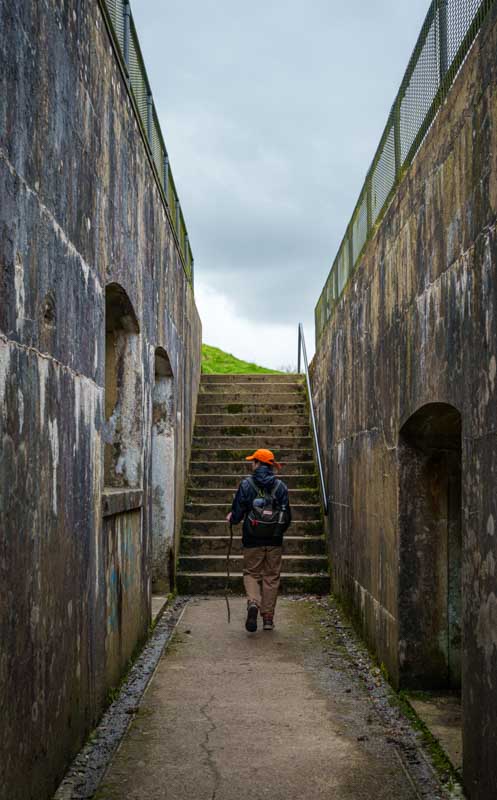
216, 361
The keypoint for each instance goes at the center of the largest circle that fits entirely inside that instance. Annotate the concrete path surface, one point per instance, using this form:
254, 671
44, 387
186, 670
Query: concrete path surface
230, 716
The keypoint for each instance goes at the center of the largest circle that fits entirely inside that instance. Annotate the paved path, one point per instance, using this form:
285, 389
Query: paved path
233, 716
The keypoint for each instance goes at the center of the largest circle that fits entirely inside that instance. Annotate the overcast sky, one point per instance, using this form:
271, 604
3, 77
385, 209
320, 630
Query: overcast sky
271, 112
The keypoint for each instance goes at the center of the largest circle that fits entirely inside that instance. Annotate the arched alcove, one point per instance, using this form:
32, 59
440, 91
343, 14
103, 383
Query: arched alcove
123, 434
430, 548
163, 474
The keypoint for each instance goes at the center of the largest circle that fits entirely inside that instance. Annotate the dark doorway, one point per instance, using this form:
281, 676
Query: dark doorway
430, 549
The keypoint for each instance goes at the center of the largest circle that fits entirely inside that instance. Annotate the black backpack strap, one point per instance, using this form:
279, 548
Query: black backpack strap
275, 488
252, 483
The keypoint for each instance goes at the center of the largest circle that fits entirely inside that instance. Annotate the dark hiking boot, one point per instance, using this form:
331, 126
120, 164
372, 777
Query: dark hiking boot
267, 622
251, 622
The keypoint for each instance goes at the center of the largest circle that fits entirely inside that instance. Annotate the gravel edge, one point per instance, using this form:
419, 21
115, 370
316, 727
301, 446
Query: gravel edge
88, 768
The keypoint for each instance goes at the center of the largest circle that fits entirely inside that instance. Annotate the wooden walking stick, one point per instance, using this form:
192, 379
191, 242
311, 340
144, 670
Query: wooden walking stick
226, 591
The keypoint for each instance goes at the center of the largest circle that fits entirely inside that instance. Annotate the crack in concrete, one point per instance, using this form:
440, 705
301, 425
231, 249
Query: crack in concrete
30, 350
208, 750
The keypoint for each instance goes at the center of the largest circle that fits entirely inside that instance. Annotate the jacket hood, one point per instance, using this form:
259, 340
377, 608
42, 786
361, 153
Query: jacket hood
264, 477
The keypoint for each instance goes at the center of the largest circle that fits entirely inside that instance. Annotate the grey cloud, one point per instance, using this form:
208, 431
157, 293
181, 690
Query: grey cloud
271, 112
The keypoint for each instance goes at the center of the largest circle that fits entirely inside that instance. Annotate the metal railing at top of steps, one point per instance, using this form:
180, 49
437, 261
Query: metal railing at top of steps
322, 487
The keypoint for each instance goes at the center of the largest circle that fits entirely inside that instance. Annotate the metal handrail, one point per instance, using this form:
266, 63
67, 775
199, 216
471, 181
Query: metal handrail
322, 487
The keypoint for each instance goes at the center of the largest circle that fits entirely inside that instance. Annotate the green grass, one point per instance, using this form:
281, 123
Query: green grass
216, 361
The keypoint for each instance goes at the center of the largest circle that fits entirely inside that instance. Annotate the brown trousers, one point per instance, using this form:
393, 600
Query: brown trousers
261, 576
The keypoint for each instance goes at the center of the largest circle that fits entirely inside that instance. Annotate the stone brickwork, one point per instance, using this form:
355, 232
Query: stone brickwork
405, 387
95, 309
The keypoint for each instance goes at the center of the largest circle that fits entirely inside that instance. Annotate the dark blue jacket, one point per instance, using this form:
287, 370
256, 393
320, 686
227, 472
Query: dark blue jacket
242, 503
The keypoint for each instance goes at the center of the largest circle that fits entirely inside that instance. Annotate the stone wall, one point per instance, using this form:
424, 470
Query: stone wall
405, 387
81, 220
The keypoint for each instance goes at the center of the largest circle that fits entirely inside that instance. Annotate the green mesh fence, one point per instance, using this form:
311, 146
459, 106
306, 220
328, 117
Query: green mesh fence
118, 15
115, 11
447, 34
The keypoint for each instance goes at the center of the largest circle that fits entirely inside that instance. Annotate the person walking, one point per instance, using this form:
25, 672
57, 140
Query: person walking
262, 502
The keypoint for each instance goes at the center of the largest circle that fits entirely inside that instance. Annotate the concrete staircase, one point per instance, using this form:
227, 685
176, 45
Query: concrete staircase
236, 414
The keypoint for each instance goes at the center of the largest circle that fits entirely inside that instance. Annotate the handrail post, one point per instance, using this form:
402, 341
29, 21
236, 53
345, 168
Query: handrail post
322, 487
298, 350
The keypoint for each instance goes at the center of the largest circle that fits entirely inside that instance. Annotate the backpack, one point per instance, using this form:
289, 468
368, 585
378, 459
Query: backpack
267, 516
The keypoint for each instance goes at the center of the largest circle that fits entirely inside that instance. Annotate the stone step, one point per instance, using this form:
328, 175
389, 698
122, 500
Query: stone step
224, 406
217, 563
297, 418
252, 429
231, 481
289, 377
210, 495
251, 388
240, 467
219, 527
218, 511
235, 415
250, 443
210, 545
261, 399
215, 582
231, 454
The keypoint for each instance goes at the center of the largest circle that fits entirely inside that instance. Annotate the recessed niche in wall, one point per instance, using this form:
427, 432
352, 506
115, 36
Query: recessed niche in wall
123, 433
163, 473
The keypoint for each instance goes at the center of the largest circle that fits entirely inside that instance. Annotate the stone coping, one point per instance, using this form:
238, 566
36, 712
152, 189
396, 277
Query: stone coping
118, 501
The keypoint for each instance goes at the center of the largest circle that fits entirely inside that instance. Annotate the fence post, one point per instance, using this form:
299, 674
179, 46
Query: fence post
369, 203
127, 33
443, 32
149, 116
396, 136
166, 178
178, 218
350, 245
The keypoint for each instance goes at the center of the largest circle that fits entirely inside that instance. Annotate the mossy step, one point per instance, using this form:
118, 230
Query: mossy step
231, 420
210, 545
228, 406
210, 495
217, 563
256, 377
251, 429
215, 582
239, 454
240, 467
218, 511
265, 399
255, 388
219, 527
250, 443
231, 481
